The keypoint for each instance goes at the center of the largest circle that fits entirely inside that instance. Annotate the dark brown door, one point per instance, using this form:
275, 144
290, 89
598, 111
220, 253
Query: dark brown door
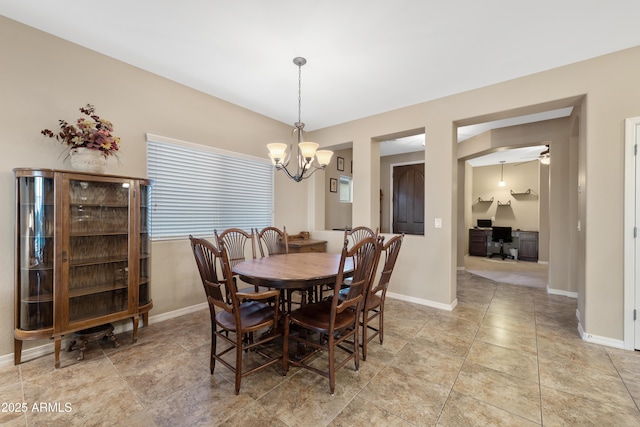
408, 199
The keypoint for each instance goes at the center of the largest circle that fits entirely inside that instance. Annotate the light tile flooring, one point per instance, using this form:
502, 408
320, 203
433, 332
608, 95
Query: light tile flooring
507, 355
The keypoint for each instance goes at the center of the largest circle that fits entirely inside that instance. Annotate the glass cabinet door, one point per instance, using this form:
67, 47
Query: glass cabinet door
36, 253
98, 248
144, 296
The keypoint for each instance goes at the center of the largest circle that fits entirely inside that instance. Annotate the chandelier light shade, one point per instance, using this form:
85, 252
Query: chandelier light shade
309, 159
501, 183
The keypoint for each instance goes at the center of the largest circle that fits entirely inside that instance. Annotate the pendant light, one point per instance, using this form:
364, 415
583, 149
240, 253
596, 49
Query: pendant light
501, 183
309, 159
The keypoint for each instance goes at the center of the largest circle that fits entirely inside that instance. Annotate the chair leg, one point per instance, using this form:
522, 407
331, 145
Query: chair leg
381, 323
332, 372
285, 346
356, 345
365, 323
239, 350
212, 362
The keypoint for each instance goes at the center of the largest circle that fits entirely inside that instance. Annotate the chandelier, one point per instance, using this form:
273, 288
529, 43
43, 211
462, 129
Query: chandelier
309, 158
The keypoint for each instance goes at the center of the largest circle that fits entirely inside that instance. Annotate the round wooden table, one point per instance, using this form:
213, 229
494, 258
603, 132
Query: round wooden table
292, 271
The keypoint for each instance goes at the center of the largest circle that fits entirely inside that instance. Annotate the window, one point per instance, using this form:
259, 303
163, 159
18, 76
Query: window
346, 189
197, 189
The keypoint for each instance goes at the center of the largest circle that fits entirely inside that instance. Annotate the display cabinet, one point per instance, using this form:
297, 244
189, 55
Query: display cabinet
82, 253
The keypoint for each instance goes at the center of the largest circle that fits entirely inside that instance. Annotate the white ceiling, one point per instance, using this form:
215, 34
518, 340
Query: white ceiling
364, 56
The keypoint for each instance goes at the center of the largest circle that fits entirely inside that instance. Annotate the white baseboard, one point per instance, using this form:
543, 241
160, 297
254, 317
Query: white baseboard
124, 326
596, 339
425, 302
561, 292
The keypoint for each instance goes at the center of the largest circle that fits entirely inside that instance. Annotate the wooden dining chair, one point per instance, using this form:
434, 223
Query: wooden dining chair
235, 241
272, 241
374, 302
330, 324
355, 234
232, 322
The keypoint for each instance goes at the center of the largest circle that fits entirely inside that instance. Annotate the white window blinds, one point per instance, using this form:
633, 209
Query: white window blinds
197, 189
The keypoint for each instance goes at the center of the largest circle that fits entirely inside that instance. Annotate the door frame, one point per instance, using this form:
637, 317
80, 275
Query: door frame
631, 210
391, 166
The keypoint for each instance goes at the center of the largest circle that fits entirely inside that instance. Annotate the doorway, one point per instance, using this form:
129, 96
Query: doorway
408, 199
631, 241
556, 188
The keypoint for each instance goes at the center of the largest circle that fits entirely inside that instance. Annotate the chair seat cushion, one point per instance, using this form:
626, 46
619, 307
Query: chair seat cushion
252, 314
316, 316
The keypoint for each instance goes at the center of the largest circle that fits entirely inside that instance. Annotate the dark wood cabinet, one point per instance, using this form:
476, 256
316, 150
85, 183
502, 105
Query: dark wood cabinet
478, 242
82, 253
528, 245
525, 241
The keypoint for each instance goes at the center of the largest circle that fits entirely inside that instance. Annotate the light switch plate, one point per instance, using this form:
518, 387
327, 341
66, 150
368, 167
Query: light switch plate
438, 223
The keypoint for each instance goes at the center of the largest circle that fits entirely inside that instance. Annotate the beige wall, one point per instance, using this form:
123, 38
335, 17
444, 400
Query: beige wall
337, 214
45, 78
518, 211
604, 91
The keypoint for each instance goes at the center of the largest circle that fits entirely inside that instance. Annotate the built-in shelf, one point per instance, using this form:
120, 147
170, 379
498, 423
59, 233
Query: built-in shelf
513, 193
504, 204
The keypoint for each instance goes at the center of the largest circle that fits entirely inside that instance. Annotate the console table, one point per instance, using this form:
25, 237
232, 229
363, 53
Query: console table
301, 243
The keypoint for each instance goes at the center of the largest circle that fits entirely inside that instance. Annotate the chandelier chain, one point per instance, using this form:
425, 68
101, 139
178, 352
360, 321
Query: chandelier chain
299, 92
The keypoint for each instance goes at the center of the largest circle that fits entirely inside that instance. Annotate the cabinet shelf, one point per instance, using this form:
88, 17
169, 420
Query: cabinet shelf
98, 261
38, 298
75, 293
83, 204
39, 267
99, 234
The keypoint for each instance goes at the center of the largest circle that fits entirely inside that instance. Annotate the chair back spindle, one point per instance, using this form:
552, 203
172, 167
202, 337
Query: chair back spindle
272, 241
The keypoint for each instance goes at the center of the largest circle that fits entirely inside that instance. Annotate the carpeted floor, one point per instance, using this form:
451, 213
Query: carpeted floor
523, 273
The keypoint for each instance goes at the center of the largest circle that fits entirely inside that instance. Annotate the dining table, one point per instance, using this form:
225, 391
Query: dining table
293, 271
306, 272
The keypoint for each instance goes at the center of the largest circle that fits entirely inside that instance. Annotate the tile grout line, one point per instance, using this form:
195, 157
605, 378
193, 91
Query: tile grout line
467, 354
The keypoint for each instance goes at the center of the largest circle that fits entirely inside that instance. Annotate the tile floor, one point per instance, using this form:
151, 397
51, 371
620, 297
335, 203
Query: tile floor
507, 355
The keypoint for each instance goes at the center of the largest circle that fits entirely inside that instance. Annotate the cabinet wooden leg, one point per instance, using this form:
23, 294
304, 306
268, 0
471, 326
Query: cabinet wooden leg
17, 351
135, 329
145, 318
57, 344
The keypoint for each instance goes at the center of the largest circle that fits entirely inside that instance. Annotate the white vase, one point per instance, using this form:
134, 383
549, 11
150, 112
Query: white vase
88, 160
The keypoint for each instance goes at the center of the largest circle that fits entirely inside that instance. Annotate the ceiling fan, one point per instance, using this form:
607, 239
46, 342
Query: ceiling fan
544, 157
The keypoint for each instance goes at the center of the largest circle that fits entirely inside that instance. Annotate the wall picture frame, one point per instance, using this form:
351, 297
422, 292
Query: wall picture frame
341, 163
333, 185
